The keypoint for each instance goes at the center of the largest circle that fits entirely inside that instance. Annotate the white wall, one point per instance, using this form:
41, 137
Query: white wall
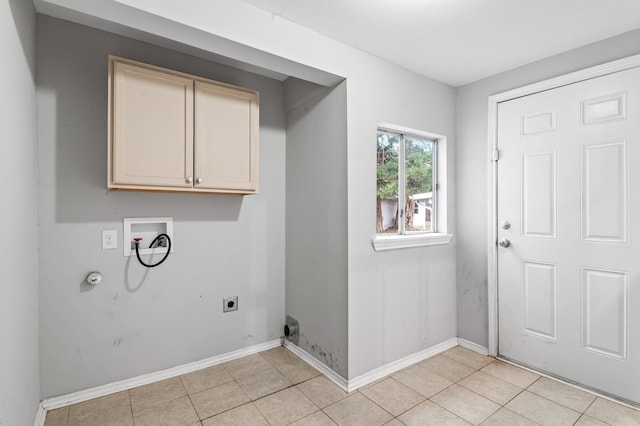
19, 375
139, 321
398, 302
316, 271
472, 168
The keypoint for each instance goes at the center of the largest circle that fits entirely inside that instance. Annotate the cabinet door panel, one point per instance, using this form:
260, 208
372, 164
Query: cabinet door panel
226, 138
152, 127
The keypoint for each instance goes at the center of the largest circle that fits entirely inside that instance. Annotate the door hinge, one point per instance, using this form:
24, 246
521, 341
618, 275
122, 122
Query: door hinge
495, 155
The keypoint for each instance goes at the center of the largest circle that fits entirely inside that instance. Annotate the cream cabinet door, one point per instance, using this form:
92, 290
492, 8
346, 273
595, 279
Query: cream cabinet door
226, 138
151, 128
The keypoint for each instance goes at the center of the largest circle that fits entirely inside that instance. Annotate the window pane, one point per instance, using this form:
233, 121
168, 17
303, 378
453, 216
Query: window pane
387, 183
419, 184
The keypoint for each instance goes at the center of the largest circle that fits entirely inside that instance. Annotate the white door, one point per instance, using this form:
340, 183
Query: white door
569, 185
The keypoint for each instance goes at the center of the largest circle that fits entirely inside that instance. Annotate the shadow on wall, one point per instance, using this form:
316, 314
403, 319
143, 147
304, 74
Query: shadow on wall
27, 43
134, 277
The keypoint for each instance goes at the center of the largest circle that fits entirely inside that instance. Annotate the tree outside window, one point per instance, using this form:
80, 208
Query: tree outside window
405, 183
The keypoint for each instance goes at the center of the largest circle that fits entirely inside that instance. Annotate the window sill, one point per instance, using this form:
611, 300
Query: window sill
394, 242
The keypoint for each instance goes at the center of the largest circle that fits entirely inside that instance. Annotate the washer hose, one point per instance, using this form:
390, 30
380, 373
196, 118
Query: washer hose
158, 238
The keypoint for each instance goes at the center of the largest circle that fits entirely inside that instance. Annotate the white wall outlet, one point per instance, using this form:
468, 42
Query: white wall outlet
109, 239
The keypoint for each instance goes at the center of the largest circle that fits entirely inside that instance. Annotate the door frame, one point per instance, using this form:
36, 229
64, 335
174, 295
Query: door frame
493, 157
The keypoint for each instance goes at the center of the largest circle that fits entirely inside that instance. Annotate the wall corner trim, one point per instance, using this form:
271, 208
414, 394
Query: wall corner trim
473, 346
41, 414
340, 381
145, 379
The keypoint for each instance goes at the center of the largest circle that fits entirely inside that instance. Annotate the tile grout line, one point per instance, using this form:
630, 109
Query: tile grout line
496, 378
515, 396
291, 385
452, 384
190, 400
573, 385
558, 403
131, 407
501, 406
475, 393
447, 410
464, 363
585, 412
309, 415
243, 391
378, 405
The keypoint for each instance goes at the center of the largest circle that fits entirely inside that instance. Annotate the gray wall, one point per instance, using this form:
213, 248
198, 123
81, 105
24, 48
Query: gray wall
19, 376
139, 321
316, 271
472, 168
399, 302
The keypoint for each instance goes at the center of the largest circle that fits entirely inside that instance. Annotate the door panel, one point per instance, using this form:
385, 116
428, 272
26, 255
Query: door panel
539, 194
604, 192
568, 296
540, 299
604, 307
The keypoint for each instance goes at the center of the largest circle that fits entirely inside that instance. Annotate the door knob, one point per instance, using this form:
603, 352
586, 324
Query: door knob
504, 243
189, 179
199, 180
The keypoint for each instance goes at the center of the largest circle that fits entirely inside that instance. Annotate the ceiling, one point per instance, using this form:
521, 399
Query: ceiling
461, 41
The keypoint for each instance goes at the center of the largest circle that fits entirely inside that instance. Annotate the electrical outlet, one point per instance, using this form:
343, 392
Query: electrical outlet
109, 239
230, 304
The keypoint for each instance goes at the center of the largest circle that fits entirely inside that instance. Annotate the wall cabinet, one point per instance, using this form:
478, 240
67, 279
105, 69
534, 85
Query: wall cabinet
170, 131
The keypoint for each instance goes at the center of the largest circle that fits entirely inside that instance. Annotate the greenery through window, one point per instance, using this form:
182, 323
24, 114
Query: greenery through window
406, 200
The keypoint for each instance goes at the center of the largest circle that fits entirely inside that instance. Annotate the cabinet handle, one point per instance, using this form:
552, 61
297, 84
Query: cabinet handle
199, 180
189, 179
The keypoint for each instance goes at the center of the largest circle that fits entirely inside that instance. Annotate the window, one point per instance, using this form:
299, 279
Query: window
407, 190
405, 183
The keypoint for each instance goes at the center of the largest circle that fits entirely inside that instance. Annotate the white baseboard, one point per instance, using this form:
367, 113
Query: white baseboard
84, 395
345, 384
373, 375
473, 346
323, 368
41, 414
398, 365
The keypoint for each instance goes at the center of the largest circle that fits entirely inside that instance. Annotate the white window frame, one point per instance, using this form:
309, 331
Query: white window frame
439, 234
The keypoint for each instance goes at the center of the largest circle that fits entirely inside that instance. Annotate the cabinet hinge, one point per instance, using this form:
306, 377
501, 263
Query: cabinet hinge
495, 155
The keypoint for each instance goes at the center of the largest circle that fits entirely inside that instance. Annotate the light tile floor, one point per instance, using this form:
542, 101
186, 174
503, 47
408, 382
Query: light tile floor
457, 387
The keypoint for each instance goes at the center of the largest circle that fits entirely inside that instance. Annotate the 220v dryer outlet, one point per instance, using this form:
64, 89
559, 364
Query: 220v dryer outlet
230, 304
